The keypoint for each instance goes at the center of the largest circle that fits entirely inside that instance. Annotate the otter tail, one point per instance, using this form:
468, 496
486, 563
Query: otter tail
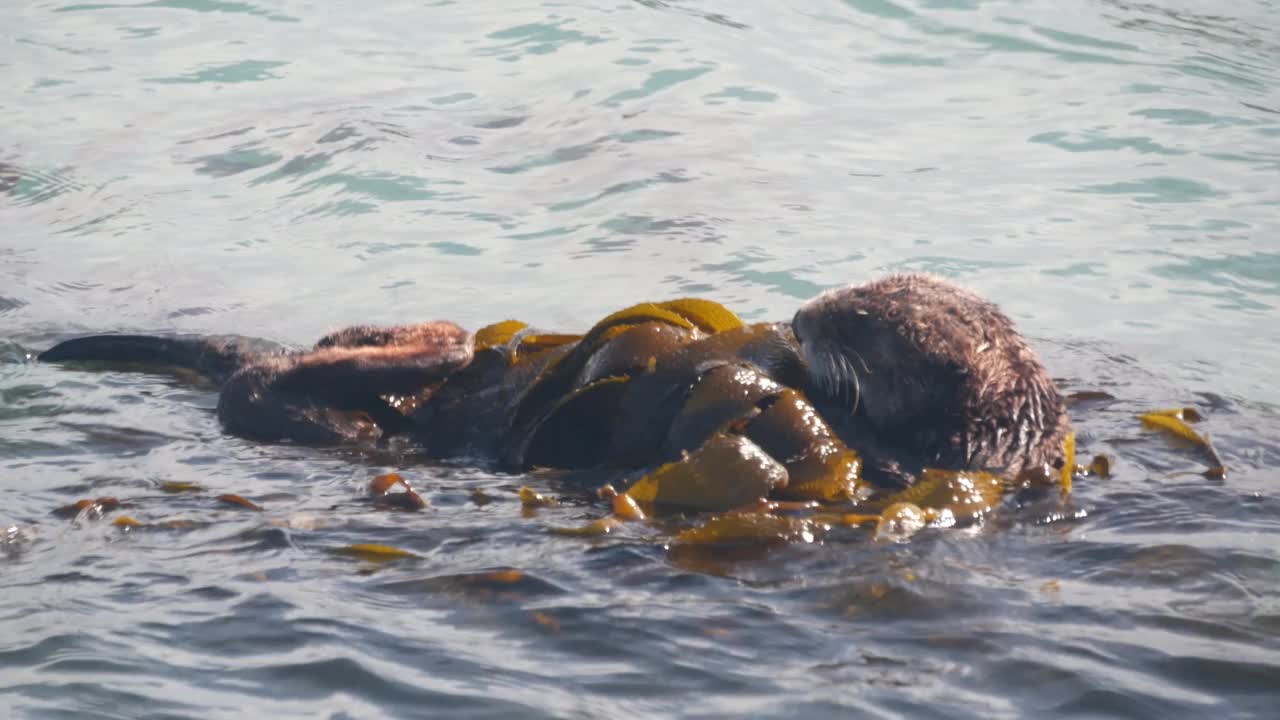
213, 358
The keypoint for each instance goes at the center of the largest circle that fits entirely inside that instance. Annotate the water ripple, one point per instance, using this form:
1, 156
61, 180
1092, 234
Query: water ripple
279, 169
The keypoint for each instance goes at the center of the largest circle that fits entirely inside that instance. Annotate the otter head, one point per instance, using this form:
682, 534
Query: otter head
917, 364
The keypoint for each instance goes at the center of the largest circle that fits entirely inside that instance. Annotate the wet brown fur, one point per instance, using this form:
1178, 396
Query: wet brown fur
943, 378
336, 391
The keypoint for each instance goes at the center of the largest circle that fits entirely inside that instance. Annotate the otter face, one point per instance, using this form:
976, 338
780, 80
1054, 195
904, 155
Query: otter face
854, 360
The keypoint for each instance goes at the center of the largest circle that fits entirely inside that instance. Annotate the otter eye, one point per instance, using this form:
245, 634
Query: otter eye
795, 327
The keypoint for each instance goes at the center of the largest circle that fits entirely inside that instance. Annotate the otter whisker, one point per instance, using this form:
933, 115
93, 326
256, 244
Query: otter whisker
843, 363
865, 367
830, 383
855, 387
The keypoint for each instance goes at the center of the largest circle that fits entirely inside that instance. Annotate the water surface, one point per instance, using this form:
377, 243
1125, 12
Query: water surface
1106, 171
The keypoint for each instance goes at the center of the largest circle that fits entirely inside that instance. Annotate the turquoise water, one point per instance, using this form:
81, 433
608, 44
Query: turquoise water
1109, 172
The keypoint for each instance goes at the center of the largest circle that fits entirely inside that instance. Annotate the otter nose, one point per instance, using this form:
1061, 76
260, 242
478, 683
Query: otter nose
795, 328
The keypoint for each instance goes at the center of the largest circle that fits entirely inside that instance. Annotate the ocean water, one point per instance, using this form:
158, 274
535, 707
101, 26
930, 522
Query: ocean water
1107, 171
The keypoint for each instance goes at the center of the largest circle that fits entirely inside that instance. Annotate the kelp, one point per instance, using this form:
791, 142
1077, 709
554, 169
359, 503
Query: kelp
596, 528
558, 378
516, 340
1174, 422
828, 471
238, 501
88, 508
1099, 466
530, 498
497, 336
967, 495
727, 472
751, 529
1069, 461
575, 431
373, 552
900, 521
409, 499
719, 396
1087, 396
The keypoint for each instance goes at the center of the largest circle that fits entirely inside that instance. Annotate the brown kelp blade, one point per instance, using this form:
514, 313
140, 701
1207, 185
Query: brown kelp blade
727, 472
967, 495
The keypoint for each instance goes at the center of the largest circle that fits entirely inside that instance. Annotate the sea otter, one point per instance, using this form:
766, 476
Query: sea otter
918, 372
909, 371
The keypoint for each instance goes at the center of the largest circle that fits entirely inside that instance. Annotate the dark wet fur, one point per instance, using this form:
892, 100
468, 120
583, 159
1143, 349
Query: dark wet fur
928, 374
322, 396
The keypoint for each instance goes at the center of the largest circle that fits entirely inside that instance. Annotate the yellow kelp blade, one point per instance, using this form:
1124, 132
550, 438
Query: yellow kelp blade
750, 529
640, 313
1165, 421
828, 472
709, 316
374, 552
543, 341
1069, 463
626, 508
596, 528
1173, 425
497, 335
530, 498
727, 472
967, 495
901, 520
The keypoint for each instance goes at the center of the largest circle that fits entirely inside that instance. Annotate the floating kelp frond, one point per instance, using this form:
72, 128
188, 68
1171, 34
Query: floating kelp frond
382, 484
751, 529
380, 489
727, 472
626, 507
530, 498
967, 495
596, 528
374, 552
1173, 422
901, 520
1069, 461
1084, 396
239, 501
88, 508
1100, 467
